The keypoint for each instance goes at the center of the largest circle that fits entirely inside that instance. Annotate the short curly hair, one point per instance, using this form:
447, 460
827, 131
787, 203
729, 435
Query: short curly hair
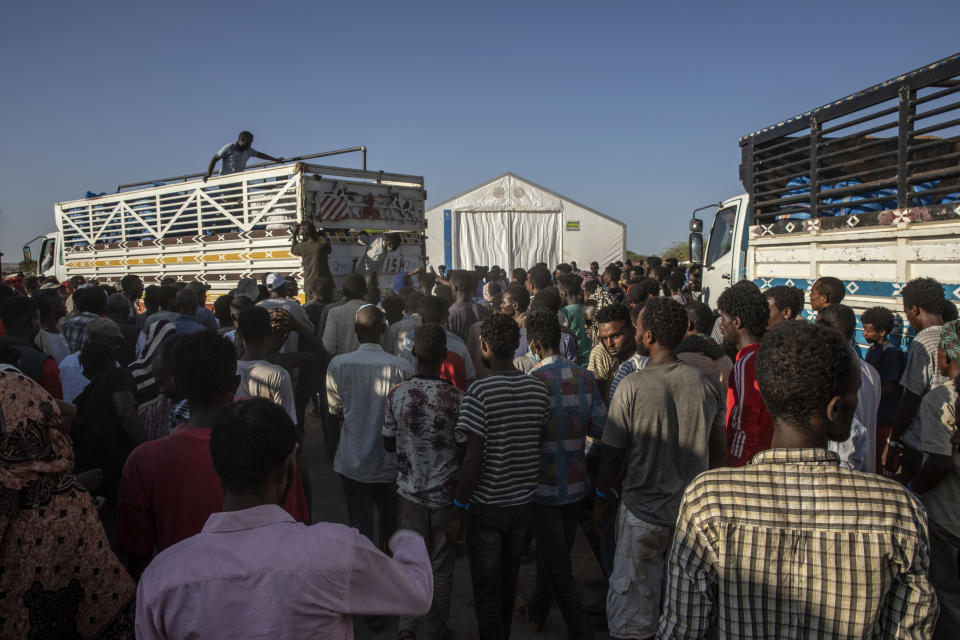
800, 368
881, 318
430, 343
543, 326
642, 291
204, 365
248, 441
786, 298
432, 309
831, 288
925, 293
839, 317
613, 313
540, 277
666, 319
547, 298
502, 335
520, 295
745, 301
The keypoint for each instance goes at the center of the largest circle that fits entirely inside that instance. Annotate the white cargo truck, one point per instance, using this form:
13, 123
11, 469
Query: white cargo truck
865, 189
234, 226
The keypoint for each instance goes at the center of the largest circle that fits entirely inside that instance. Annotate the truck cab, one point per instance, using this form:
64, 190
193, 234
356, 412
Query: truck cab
50, 256
724, 255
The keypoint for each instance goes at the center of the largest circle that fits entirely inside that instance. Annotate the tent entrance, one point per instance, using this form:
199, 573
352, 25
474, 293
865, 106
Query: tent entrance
509, 239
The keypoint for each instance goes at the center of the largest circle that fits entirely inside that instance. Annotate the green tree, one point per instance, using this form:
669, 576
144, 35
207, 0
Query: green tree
28, 267
634, 257
678, 250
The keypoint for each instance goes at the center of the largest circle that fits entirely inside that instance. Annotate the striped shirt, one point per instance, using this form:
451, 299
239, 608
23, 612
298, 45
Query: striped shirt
508, 410
576, 411
633, 363
749, 425
794, 546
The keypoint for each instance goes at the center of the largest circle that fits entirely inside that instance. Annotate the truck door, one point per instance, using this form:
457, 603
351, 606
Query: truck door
718, 258
725, 255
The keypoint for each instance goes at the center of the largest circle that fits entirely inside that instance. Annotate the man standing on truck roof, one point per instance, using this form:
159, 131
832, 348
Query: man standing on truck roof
234, 156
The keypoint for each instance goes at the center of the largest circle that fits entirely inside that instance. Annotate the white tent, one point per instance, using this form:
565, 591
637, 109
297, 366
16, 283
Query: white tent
512, 222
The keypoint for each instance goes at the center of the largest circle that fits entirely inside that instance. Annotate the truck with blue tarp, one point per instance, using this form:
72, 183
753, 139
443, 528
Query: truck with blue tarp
865, 188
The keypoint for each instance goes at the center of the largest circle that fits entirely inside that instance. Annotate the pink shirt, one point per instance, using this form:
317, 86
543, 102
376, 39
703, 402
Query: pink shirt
257, 573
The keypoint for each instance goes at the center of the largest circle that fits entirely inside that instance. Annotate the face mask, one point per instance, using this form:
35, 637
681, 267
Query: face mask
535, 358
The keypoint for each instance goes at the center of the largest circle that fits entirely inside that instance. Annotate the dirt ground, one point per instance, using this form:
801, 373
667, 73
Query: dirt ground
329, 506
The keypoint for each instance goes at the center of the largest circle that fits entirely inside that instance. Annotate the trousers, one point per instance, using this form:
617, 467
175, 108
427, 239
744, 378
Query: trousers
494, 539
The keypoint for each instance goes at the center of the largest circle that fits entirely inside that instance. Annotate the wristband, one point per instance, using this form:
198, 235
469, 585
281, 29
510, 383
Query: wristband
457, 503
601, 495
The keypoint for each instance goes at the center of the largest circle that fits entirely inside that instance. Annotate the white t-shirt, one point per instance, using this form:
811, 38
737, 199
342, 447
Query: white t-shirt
260, 379
233, 159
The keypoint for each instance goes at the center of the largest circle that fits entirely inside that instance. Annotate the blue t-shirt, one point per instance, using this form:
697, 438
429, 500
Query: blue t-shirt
889, 362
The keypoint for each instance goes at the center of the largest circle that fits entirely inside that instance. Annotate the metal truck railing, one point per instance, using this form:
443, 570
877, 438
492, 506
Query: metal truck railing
892, 146
252, 200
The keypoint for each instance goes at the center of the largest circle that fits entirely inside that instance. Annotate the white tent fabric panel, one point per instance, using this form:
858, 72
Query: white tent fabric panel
544, 227
535, 237
482, 239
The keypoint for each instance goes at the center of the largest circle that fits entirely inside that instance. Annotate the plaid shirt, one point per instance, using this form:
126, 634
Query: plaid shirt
576, 411
794, 546
74, 330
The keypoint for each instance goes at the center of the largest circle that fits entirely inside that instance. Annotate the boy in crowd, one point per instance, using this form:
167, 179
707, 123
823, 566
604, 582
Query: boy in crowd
860, 450
464, 311
744, 314
576, 411
826, 291
255, 572
938, 481
666, 422
419, 423
786, 303
514, 302
258, 377
699, 349
923, 304
572, 312
169, 486
503, 417
889, 361
618, 338
743, 560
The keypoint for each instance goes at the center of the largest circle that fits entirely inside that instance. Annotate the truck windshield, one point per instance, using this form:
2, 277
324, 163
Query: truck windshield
721, 236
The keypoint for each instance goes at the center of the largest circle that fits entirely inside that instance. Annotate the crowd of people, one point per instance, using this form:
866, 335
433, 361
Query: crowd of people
739, 472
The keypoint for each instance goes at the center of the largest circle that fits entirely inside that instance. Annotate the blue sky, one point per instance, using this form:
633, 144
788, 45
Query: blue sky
631, 109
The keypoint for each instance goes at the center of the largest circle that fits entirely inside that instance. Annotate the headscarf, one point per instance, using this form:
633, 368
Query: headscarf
142, 369
56, 566
950, 339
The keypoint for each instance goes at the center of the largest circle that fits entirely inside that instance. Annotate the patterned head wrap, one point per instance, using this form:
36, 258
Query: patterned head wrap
33, 449
950, 339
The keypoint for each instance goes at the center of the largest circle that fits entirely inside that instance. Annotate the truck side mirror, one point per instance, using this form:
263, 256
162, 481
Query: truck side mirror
696, 225
27, 254
695, 245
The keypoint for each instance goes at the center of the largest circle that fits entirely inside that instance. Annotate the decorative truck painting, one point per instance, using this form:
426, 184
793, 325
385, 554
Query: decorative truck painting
865, 189
238, 225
